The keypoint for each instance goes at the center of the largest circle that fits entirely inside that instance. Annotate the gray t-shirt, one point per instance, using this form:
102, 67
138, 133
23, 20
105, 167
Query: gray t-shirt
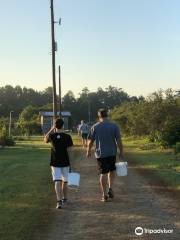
83, 128
105, 134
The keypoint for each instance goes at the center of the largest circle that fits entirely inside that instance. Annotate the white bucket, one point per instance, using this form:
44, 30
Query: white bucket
73, 179
121, 169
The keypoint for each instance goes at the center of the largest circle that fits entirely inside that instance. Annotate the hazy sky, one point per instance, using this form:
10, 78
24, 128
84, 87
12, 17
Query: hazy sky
132, 44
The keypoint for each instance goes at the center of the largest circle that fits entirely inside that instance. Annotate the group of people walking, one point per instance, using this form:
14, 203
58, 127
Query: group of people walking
106, 137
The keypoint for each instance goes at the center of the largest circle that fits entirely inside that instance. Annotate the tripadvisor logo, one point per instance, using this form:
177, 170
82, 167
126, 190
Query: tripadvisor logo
140, 231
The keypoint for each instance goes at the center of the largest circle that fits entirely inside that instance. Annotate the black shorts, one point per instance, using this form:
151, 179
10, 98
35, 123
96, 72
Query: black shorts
84, 136
106, 164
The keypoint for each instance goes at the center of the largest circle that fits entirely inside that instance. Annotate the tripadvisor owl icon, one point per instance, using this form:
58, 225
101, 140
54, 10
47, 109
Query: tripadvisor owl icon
139, 231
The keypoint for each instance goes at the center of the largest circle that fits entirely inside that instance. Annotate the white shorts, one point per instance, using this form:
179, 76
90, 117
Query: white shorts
60, 173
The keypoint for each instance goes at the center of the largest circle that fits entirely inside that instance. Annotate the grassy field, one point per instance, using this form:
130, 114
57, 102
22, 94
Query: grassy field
163, 163
25, 189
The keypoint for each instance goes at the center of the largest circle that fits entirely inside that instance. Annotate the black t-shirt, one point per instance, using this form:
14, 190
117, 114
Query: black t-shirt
59, 144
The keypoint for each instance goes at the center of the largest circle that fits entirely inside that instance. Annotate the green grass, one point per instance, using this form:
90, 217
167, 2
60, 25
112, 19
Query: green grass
162, 162
25, 189
76, 140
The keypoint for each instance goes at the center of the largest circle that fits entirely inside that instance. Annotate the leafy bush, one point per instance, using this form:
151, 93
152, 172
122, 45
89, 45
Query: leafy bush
29, 122
156, 117
170, 135
5, 140
20, 138
10, 141
177, 148
148, 146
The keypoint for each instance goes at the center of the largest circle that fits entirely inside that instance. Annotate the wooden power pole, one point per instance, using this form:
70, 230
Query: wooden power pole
60, 96
53, 61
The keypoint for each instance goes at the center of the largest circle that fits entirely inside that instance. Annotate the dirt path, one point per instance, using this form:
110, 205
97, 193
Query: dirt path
136, 204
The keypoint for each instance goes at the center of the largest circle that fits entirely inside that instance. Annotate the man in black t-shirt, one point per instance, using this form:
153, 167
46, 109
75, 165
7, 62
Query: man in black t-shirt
60, 148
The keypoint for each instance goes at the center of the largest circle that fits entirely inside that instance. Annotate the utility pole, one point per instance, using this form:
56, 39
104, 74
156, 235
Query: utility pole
89, 110
53, 61
60, 96
10, 122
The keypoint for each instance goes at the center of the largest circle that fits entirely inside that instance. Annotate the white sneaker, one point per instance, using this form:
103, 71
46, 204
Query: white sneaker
59, 204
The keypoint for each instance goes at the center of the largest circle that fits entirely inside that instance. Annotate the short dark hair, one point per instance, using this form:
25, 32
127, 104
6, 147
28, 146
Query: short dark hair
102, 113
59, 123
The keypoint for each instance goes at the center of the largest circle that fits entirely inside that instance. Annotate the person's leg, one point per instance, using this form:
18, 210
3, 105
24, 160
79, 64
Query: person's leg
64, 189
84, 143
103, 177
58, 194
103, 183
58, 190
56, 173
111, 176
82, 140
65, 173
86, 140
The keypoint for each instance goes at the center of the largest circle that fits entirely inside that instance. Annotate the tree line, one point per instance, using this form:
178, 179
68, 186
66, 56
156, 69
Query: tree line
156, 116
17, 98
84, 106
26, 103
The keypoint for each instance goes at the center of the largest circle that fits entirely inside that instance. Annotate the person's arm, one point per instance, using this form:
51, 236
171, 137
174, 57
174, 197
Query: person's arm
119, 142
120, 146
46, 137
90, 145
69, 145
78, 129
70, 152
91, 139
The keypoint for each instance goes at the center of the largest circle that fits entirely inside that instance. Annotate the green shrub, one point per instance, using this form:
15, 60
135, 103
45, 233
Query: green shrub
2, 141
10, 141
20, 138
177, 148
5, 140
148, 146
170, 134
177, 157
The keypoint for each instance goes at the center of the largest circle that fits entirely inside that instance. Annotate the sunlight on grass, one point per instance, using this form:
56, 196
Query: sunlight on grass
25, 184
162, 160
177, 169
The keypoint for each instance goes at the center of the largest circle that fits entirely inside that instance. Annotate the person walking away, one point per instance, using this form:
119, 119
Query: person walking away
107, 138
61, 144
83, 131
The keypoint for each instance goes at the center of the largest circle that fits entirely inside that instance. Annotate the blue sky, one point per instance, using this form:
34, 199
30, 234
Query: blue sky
132, 44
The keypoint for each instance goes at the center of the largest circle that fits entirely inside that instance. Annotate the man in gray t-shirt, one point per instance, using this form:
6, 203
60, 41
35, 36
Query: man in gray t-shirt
83, 129
107, 138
